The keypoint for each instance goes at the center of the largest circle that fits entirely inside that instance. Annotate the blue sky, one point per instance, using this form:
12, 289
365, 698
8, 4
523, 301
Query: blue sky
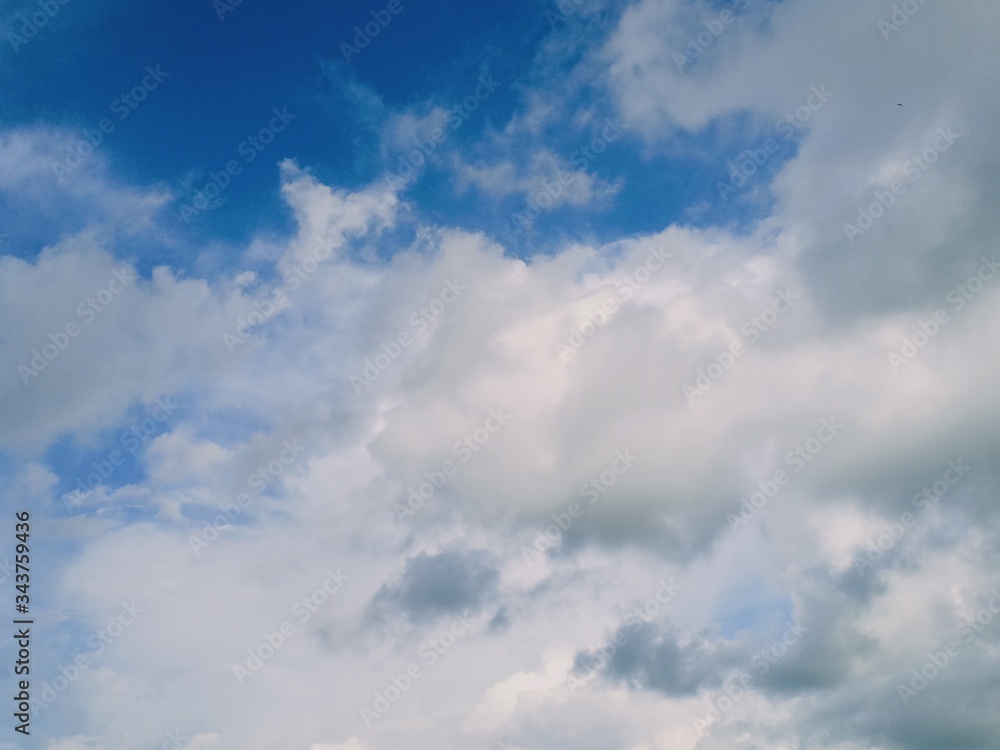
224, 77
604, 345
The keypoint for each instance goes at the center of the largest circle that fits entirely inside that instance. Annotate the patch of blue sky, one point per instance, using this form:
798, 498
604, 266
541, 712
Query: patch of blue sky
200, 117
754, 608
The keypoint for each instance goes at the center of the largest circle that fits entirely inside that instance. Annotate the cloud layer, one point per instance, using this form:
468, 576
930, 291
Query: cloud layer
699, 487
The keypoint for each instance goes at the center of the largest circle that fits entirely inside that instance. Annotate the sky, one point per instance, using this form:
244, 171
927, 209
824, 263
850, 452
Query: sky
592, 374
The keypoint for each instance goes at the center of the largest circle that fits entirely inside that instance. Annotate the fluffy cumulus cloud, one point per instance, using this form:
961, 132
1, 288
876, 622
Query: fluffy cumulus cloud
380, 480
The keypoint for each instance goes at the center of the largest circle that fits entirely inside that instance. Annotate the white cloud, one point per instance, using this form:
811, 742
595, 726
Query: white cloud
352, 744
495, 346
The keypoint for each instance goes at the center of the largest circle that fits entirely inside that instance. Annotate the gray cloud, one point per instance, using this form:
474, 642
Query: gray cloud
432, 586
645, 655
